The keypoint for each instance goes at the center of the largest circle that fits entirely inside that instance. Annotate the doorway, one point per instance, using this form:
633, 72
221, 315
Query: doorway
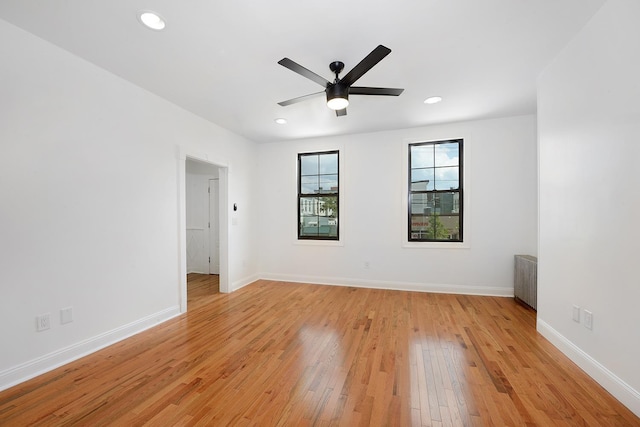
202, 218
203, 188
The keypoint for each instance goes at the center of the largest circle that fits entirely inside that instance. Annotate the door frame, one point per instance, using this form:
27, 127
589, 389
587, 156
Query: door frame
217, 221
223, 224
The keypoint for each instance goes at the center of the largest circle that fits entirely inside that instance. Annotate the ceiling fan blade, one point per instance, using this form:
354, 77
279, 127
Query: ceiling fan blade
342, 112
297, 68
299, 99
384, 91
365, 65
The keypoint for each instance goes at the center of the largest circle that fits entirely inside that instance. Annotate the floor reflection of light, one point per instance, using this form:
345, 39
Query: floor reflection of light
438, 382
319, 344
318, 365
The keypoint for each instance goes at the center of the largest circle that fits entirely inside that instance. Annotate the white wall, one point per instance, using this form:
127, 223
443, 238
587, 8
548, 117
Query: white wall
89, 204
589, 147
500, 183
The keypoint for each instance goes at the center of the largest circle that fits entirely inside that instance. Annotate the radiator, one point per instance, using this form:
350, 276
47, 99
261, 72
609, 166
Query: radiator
525, 286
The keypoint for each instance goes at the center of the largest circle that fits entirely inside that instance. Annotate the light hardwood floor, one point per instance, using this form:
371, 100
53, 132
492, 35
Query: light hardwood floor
288, 354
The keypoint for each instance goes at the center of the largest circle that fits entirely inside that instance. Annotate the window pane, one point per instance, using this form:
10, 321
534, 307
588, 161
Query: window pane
447, 203
422, 156
307, 208
446, 178
435, 203
309, 184
422, 204
309, 164
308, 225
448, 227
435, 227
328, 184
422, 179
318, 216
420, 227
328, 207
447, 154
329, 163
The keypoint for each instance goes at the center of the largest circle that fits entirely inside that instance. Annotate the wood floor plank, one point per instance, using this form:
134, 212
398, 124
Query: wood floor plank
283, 354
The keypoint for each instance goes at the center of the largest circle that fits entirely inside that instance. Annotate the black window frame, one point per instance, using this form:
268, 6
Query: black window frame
435, 193
302, 196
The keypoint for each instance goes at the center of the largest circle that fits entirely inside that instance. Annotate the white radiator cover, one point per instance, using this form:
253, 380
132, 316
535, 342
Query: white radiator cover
525, 286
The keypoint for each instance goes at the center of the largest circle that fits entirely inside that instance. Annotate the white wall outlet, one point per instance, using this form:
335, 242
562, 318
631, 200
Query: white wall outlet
588, 319
576, 314
66, 315
367, 265
43, 322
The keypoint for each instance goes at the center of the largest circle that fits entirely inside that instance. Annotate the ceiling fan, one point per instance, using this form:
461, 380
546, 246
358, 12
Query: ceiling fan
338, 92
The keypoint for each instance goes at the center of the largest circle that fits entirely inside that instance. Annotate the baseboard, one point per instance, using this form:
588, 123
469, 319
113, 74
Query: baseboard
622, 391
244, 282
53, 360
399, 286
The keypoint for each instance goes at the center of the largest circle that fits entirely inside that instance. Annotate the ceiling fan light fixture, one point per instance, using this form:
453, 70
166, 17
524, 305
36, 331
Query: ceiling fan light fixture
151, 20
337, 97
338, 103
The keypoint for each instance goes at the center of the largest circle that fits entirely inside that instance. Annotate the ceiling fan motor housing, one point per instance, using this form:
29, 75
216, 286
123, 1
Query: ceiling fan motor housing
337, 93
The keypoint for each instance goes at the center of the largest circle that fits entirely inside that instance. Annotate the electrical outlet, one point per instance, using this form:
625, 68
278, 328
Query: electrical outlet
576, 314
66, 315
43, 322
588, 319
367, 265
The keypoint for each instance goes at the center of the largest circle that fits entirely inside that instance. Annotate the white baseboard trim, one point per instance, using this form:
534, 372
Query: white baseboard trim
398, 286
244, 282
622, 391
25, 371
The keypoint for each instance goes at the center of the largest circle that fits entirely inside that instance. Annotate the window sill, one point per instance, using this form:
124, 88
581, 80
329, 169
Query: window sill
318, 242
436, 245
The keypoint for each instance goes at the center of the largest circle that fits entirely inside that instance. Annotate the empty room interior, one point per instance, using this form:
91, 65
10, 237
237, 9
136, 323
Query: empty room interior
295, 213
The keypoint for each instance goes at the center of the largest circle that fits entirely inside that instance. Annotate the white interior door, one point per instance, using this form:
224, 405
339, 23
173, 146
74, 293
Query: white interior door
197, 218
214, 226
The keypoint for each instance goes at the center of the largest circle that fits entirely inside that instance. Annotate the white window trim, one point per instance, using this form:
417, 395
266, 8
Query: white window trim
341, 192
466, 191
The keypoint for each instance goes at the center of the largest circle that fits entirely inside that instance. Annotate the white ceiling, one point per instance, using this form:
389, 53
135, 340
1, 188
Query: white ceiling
219, 59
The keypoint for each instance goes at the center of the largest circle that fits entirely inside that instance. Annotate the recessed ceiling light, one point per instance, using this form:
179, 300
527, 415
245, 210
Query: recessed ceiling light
151, 20
433, 100
281, 121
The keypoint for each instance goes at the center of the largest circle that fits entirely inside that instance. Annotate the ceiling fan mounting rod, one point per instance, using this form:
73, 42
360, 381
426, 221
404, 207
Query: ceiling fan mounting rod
336, 67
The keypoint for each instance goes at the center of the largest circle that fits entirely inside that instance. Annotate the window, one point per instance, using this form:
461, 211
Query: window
435, 191
318, 196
